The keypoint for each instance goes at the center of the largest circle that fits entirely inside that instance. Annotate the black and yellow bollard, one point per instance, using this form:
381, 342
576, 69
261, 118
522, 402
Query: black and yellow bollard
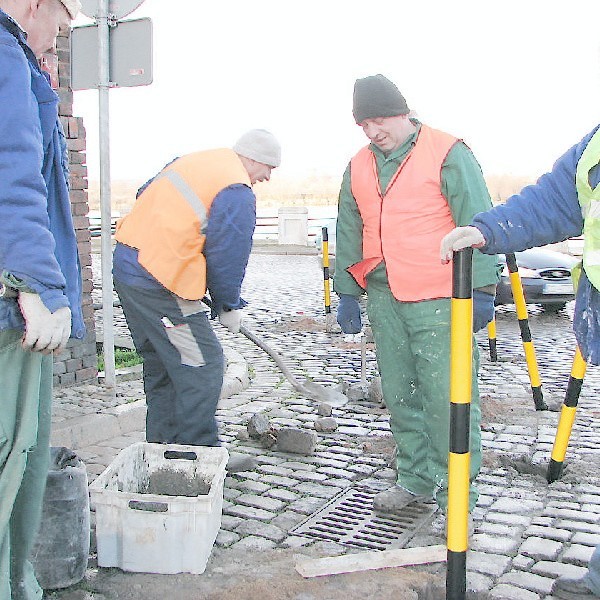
327, 296
491, 331
567, 418
459, 457
532, 366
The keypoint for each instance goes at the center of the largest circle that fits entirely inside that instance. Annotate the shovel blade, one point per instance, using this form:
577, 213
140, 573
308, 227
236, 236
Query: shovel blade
325, 394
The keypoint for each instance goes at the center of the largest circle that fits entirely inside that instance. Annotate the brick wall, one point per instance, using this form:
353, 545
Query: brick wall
77, 363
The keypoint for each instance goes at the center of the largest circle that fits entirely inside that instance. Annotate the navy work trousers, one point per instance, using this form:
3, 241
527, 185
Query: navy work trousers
183, 365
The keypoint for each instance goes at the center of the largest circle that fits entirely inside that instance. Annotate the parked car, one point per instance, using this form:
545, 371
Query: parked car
545, 276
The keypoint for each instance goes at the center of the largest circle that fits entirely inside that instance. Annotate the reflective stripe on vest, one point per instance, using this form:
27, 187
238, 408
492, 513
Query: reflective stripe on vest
589, 200
190, 196
405, 224
168, 222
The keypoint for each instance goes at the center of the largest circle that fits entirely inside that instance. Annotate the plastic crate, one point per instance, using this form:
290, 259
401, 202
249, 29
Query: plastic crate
141, 526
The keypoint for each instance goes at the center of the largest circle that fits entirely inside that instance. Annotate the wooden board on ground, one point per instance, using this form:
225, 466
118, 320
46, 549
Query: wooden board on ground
365, 561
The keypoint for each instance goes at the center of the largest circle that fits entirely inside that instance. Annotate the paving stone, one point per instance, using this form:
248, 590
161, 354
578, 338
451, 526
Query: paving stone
248, 512
488, 564
516, 506
557, 569
254, 543
529, 581
262, 502
226, 538
478, 583
578, 554
550, 533
587, 539
523, 563
540, 548
494, 545
510, 592
282, 494
263, 530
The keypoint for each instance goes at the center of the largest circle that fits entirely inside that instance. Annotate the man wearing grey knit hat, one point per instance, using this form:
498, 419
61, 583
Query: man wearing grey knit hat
40, 279
189, 233
400, 195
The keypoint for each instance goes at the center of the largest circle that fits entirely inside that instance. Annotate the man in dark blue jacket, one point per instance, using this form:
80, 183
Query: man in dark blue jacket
40, 284
562, 204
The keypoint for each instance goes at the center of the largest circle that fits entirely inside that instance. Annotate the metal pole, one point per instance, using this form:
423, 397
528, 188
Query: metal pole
326, 288
567, 418
532, 366
108, 338
459, 456
491, 329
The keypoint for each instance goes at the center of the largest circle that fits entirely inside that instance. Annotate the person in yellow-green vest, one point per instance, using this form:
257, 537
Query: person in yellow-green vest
189, 233
399, 196
562, 204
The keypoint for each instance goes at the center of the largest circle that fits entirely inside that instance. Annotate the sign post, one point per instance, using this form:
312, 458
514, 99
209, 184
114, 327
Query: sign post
108, 339
97, 49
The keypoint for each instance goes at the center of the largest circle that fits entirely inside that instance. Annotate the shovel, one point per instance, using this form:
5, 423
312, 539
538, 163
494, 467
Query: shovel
310, 389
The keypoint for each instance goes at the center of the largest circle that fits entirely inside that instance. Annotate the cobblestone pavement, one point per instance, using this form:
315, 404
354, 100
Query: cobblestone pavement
526, 532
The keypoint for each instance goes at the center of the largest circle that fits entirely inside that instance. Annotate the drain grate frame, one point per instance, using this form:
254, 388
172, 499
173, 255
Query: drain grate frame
349, 519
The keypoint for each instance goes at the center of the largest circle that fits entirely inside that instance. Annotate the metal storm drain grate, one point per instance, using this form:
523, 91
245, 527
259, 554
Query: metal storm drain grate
349, 519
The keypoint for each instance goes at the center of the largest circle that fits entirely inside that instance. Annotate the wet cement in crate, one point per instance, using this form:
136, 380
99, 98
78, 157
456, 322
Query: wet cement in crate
166, 482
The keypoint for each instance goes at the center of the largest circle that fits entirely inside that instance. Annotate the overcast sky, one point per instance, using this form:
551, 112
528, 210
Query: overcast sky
518, 80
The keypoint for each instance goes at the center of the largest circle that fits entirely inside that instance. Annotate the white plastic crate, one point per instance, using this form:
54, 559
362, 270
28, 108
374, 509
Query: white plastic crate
159, 532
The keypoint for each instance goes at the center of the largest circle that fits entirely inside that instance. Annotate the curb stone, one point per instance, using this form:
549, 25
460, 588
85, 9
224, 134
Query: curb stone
85, 430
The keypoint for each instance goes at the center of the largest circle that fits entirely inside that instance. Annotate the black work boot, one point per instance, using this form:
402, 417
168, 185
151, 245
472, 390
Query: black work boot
395, 499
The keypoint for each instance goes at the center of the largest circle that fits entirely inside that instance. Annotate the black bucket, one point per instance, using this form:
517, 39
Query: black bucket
61, 550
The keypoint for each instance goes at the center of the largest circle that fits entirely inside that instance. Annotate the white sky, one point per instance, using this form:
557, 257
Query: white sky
518, 80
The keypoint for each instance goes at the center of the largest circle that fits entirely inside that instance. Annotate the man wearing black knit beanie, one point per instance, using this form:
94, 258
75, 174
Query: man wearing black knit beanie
400, 195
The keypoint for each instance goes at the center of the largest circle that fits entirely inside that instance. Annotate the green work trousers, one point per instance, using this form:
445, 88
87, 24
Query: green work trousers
412, 342
25, 405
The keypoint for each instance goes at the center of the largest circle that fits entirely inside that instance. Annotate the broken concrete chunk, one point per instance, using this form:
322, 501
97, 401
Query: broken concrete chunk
358, 392
375, 391
326, 425
258, 425
324, 410
297, 441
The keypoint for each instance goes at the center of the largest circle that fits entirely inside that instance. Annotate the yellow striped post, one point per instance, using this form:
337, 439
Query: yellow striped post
532, 366
459, 457
491, 331
567, 418
327, 295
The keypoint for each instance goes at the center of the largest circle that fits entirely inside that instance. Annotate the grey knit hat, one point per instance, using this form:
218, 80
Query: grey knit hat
376, 96
259, 145
73, 7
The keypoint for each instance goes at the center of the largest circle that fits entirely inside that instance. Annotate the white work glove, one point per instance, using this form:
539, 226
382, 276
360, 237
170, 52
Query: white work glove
231, 319
44, 331
459, 238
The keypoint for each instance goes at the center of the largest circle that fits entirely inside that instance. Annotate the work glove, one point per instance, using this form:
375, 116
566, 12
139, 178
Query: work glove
459, 238
483, 309
348, 314
231, 320
44, 331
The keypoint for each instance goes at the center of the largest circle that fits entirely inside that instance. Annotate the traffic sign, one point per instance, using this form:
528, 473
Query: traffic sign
130, 55
117, 8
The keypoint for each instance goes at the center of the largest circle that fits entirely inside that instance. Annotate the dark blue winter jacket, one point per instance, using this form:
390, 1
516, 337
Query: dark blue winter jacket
38, 244
544, 213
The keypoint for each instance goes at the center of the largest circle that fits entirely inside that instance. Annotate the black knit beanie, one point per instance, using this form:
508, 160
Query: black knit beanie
376, 96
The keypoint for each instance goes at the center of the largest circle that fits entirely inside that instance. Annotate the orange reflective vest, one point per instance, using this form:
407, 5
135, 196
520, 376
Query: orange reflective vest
168, 222
404, 225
